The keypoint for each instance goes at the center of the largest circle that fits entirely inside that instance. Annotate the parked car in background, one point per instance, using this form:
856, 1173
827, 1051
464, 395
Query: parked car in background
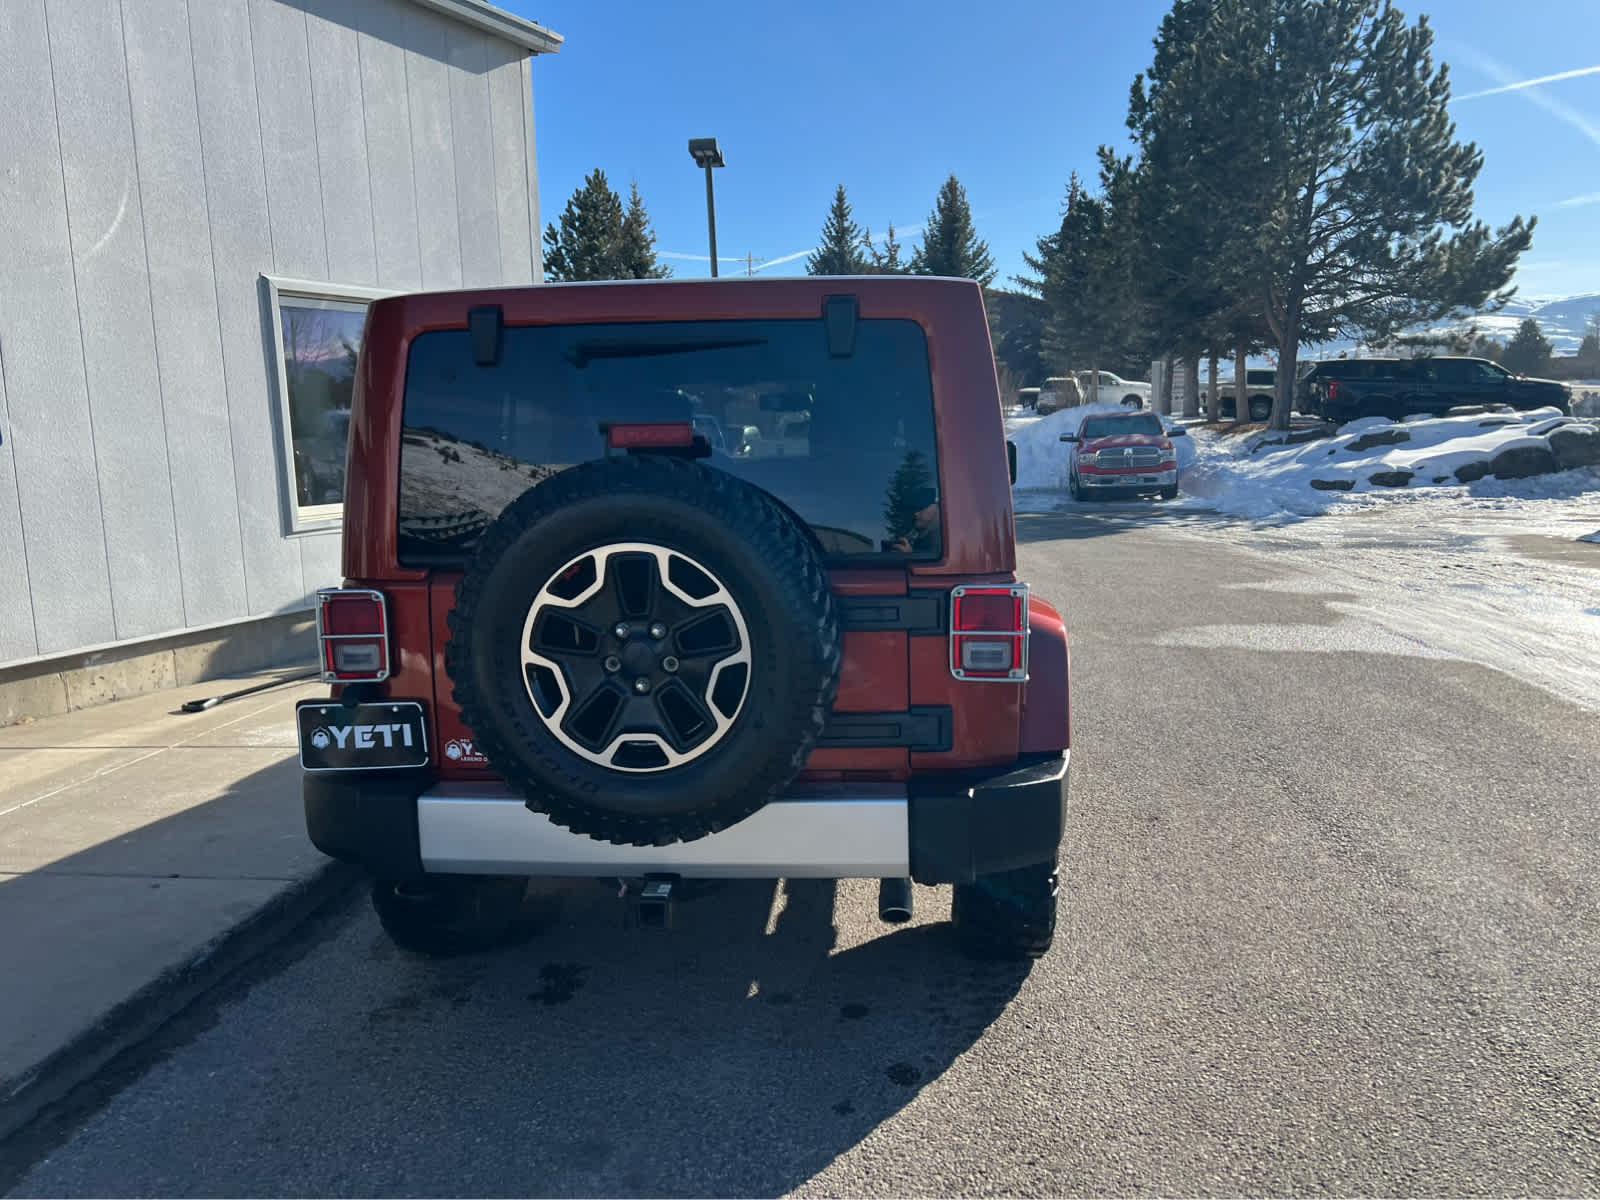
1114, 389
1344, 389
1059, 391
1260, 386
1113, 452
1028, 397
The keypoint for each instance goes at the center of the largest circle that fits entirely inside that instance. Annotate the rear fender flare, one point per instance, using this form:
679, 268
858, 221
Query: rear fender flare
1046, 697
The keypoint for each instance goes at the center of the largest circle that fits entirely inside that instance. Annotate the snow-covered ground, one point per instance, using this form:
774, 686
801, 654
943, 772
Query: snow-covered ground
1485, 572
1366, 463
1500, 588
1357, 468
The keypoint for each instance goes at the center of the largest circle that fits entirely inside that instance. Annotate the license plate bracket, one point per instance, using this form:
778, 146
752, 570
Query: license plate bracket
384, 736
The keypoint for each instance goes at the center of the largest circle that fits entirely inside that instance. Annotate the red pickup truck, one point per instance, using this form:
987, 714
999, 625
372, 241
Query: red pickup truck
580, 637
1121, 452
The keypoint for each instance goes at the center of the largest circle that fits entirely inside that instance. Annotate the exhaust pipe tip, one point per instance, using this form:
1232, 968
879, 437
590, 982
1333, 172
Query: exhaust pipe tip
894, 901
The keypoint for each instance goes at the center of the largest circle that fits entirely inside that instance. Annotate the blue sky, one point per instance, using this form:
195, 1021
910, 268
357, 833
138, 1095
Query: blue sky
890, 98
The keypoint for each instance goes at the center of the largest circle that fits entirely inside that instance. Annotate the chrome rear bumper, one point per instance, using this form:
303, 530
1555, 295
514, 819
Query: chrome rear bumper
862, 833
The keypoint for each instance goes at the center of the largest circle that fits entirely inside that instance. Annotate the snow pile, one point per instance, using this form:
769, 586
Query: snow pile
1487, 453
1042, 455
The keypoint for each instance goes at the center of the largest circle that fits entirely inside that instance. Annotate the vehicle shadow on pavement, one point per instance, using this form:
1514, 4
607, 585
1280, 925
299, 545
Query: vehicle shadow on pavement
1102, 519
735, 1054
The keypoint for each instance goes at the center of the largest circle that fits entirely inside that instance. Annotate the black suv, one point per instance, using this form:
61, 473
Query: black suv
1346, 388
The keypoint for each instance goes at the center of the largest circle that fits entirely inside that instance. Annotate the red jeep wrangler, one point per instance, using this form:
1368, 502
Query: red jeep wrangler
591, 627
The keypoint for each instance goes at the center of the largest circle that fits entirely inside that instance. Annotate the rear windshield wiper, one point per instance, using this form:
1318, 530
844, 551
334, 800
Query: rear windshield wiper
585, 353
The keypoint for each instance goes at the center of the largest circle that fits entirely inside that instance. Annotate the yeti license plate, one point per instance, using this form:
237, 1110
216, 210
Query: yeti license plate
364, 737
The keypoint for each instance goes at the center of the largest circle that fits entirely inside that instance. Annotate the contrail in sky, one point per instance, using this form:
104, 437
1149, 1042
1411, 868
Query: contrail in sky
1528, 83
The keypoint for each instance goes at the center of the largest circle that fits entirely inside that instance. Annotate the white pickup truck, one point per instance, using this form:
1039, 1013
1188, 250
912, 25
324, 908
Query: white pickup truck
1114, 389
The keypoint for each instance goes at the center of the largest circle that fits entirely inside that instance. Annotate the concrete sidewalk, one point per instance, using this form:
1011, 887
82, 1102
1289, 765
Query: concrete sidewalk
133, 840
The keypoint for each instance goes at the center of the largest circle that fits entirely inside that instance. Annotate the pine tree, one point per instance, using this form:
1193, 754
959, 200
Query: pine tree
636, 255
841, 250
1016, 329
950, 244
886, 261
1178, 205
910, 491
1484, 346
1589, 350
587, 243
1082, 274
1320, 131
1529, 352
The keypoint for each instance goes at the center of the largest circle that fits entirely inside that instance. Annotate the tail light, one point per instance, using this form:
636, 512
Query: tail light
1333, 389
353, 635
989, 633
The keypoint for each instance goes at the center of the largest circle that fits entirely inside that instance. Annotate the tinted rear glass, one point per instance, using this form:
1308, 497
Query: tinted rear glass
846, 442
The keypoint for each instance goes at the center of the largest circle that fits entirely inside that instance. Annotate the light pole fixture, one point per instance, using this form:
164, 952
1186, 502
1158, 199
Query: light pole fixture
706, 153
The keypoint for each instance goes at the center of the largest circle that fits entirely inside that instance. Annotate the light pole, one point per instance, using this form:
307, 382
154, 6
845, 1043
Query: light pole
707, 154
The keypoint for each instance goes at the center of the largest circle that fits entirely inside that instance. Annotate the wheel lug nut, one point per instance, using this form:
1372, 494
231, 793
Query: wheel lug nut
658, 631
641, 686
669, 664
613, 664
621, 630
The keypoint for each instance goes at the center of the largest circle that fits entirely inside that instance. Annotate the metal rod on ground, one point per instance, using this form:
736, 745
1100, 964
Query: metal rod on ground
194, 706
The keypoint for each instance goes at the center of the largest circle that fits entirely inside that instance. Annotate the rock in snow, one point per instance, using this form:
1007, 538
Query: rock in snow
1390, 479
1576, 446
1379, 437
1523, 462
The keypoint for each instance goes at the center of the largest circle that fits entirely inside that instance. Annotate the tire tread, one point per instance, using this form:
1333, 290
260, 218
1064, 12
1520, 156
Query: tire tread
1010, 915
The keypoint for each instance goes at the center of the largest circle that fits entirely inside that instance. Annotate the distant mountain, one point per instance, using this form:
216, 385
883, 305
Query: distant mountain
1561, 319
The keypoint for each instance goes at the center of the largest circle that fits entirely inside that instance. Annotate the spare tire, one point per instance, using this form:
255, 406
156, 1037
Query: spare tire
646, 648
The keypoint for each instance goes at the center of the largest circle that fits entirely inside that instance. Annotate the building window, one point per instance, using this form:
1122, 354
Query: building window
316, 331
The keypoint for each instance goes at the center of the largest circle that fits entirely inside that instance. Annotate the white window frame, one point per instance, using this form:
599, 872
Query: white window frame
306, 293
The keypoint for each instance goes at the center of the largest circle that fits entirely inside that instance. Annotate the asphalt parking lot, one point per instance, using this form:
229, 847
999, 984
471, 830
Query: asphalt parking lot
1330, 927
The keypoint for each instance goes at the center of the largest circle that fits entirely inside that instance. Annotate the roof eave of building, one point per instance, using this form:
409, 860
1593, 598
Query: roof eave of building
535, 39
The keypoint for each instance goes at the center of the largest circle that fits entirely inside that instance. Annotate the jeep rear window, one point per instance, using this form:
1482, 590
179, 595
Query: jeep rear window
847, 442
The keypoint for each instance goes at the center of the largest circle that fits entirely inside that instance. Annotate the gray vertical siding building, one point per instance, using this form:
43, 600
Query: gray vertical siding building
197, 200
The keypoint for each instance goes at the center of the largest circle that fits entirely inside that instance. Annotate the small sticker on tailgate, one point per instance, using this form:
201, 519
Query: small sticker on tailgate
361, 737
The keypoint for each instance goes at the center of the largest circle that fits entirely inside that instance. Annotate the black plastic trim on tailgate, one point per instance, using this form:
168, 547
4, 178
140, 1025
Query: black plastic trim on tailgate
920, 614
927, 730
